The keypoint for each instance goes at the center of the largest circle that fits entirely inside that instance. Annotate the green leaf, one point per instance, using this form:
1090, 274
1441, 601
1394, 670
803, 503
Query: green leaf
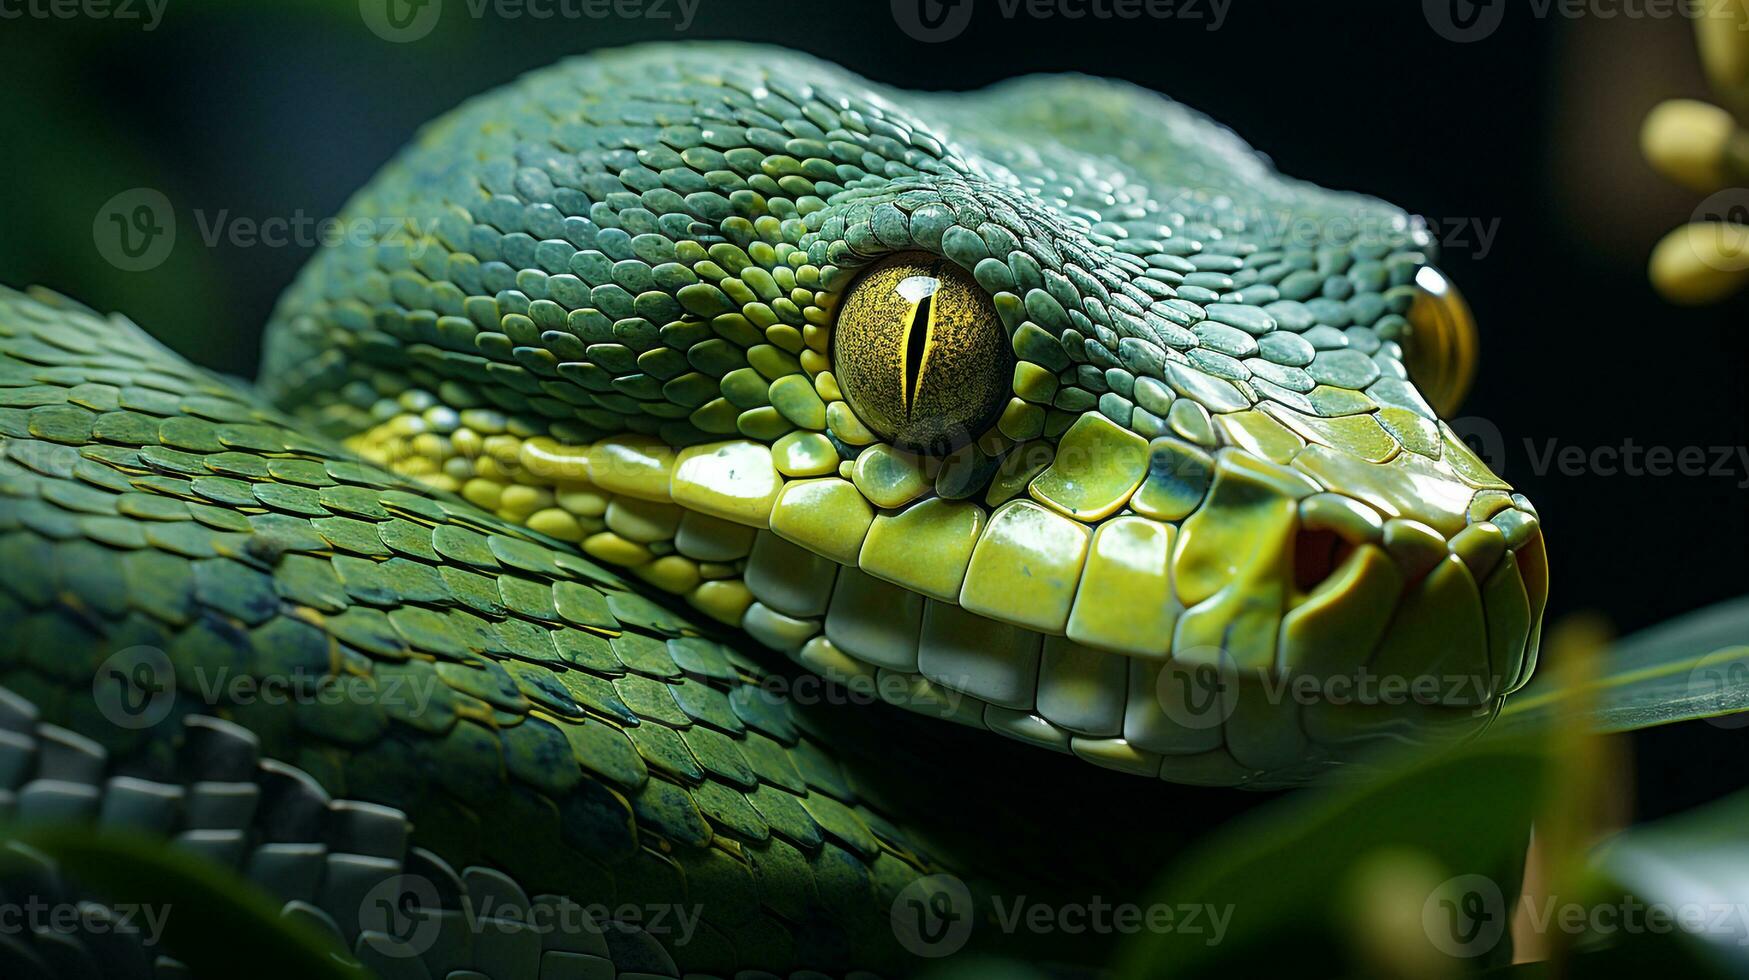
1353, 880
1695, 666
212, 921
1664, 899
1695, 864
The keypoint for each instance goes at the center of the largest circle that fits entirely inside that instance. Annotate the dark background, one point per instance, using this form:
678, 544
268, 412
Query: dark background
285, 108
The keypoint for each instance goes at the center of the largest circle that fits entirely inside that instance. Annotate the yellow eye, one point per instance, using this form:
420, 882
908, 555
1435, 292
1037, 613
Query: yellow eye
921, 354
1441, 353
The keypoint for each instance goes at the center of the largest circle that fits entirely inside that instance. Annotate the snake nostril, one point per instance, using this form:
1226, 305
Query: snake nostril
1317, 554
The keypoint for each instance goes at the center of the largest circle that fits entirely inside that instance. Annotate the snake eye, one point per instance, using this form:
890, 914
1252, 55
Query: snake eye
1441, 353
921, 354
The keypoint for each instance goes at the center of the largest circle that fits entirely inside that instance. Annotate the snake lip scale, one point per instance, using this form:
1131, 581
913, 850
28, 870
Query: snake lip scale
692, 367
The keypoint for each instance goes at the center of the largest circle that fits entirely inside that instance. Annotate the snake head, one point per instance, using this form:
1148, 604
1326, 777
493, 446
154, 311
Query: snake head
1038, 408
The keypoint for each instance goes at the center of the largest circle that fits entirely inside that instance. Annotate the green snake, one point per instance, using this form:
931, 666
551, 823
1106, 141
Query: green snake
692, 401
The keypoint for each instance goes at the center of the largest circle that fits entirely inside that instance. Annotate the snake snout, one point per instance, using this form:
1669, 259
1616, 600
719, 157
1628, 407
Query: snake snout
1407, 626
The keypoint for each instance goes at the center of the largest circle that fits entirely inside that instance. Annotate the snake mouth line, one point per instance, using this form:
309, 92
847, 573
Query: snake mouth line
1385, 630
1058, 628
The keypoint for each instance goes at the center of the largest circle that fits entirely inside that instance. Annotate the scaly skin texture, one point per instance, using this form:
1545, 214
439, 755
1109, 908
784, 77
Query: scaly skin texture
586, 378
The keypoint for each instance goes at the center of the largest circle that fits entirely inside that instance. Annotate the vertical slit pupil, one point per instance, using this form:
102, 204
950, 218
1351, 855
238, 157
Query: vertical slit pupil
914, 347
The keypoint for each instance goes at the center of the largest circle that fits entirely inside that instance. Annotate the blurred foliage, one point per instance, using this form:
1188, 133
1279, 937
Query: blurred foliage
1699, 858
79, 140
1335, 882
1690, 668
